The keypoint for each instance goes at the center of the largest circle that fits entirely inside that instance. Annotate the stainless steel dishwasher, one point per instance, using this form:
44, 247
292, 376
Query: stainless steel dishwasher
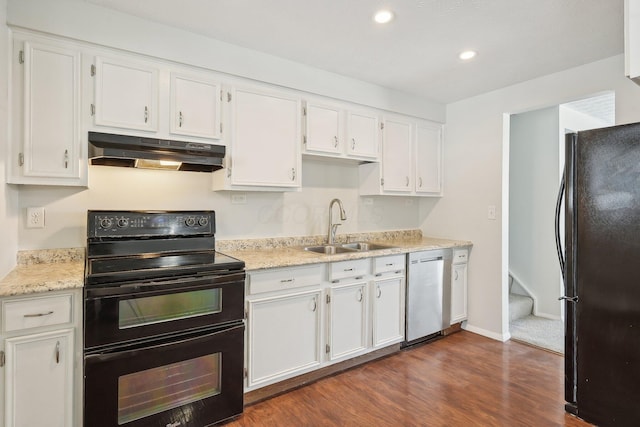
428, 294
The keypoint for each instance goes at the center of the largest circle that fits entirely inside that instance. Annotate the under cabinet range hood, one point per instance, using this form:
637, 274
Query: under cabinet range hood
152, 153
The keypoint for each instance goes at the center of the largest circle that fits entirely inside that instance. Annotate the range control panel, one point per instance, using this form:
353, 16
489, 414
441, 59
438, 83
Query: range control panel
149, 223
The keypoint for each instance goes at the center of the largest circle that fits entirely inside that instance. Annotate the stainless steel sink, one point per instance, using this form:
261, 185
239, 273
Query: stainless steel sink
346, 248
365, 246
329, 249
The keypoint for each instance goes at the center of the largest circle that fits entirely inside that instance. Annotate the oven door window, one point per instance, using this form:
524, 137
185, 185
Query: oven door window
159, 389
164, 308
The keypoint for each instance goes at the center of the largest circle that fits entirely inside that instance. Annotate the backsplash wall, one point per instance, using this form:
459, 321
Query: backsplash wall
265, 214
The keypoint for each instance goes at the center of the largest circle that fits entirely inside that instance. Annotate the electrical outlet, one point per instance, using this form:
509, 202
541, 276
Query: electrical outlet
238, 199
35, 217
491, 212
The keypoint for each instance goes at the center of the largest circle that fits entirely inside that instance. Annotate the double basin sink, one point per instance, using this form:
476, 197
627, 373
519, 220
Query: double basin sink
346, 248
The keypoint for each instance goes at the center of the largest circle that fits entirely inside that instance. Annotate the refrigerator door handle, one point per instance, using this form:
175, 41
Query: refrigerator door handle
558, 210
568, 299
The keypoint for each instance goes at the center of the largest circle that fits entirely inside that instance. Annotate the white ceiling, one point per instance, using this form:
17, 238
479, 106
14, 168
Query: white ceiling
417, 52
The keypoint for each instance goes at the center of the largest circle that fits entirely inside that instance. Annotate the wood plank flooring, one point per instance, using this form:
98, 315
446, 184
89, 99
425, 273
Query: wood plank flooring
461, 380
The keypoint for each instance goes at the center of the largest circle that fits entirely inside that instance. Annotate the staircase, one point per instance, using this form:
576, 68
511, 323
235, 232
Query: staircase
519, 306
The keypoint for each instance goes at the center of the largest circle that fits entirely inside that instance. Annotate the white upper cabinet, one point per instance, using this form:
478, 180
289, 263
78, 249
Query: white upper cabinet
428, 159
126, 94
323, 128
363, 134
337, 130
195, 106
411, 163
264, 152
46, 140
632, 40
396, 155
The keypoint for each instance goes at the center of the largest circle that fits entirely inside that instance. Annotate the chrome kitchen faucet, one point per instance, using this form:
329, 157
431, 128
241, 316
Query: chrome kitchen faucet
331, 235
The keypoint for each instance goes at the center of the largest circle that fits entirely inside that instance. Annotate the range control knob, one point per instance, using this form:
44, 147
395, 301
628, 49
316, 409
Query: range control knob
123, 222
190, 222
106, 223
203, 221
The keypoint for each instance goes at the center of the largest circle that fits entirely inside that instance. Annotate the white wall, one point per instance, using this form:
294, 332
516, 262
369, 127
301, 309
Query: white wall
474, 155
264, 214
533, 186
8, 194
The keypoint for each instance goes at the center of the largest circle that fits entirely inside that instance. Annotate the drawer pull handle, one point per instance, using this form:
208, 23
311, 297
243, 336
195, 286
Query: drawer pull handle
389, 265
348, 269
39, 314
378, 274
287, 280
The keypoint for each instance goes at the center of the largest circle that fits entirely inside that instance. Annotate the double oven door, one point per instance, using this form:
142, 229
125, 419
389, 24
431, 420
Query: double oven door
165, 352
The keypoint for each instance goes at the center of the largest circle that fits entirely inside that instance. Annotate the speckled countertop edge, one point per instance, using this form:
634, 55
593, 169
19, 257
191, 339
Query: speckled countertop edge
45, 270
256, 259
60, 269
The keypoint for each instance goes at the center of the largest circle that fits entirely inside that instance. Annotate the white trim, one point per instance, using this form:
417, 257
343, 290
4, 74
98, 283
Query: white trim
489, 334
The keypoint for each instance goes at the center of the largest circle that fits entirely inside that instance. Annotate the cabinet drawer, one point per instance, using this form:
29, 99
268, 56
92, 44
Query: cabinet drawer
460, 256
385, 264
278, 279
350, 268
35, 312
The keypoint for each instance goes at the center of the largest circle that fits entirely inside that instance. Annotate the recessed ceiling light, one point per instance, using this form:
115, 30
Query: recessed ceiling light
467, 55
383, 16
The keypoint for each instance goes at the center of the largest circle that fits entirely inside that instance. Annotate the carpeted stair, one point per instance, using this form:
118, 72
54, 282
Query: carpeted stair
519, 306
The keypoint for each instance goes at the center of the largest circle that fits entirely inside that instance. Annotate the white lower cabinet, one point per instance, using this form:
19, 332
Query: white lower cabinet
347, 333
303, 318
41, 339
459, 286
283, 336
388, 311
39, 379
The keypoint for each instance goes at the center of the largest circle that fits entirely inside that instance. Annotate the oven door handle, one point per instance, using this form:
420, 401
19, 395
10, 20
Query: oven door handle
171, 286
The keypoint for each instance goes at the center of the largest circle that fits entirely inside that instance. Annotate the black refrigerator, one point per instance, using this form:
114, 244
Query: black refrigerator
602, 274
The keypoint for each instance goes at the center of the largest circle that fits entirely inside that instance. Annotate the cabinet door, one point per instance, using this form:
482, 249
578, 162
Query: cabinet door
428, 159
458, 293
50, 114
126, 95
283, 336
39, 380
362, 135
347, 320
388, 307
265, 148
396, 156
323, 129
195, 107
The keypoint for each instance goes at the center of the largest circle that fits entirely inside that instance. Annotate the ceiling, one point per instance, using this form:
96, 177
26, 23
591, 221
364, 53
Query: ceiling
417, 52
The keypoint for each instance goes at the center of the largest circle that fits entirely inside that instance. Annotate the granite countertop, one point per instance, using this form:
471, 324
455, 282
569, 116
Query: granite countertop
256, 258
45, 270
60, 269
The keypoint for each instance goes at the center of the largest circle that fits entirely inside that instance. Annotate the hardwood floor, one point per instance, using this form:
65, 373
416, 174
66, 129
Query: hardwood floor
461, 380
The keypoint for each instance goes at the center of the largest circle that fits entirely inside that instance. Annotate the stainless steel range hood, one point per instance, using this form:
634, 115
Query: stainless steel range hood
152, 153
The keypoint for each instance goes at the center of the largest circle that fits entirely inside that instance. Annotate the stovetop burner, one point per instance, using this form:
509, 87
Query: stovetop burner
143, 245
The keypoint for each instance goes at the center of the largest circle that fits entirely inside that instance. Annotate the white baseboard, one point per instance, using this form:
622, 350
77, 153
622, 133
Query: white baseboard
489, 334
